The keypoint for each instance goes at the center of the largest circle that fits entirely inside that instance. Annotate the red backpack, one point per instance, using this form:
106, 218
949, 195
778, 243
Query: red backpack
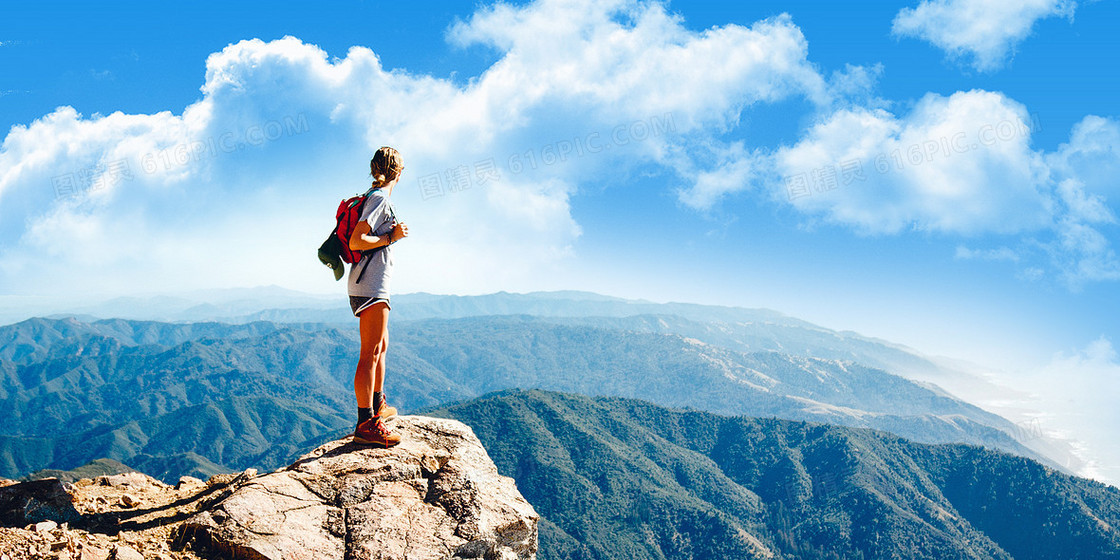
336, 249
347, 217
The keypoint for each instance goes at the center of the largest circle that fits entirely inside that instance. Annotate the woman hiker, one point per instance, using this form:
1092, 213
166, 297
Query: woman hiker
369, 298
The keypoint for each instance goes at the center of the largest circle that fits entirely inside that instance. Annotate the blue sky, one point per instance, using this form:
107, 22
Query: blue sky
937, 173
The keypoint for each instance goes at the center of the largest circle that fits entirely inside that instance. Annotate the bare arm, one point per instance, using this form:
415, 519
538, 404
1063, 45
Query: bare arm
362, 240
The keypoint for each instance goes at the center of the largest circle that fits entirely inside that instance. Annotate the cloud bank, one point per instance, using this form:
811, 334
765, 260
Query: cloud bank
933, 169
236, 188
982, 33
960, 167
238, 185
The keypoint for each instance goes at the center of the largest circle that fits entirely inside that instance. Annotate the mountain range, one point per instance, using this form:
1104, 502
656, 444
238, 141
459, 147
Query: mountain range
197, 398
619, 478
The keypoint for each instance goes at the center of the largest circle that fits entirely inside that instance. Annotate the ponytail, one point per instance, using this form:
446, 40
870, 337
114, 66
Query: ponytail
385, 166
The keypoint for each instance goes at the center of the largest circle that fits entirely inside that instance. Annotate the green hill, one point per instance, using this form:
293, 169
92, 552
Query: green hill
93, 469
72, 392
616, 478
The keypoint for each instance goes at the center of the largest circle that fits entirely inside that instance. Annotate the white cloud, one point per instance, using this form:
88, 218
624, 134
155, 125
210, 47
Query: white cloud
611, 73
855, 86
1088, 192
237, 188
734, 168
960, 164
963, 165
1092, 155
243, 181
1085, 207
634, 60
998, 254
1082, 254
983, 32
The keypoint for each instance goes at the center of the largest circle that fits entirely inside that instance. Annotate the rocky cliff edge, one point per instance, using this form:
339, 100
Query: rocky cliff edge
437, 495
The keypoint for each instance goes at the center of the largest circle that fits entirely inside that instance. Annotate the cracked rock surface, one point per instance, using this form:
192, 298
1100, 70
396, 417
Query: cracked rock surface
436, 495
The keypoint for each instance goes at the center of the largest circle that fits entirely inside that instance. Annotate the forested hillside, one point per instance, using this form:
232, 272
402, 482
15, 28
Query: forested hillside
616, 478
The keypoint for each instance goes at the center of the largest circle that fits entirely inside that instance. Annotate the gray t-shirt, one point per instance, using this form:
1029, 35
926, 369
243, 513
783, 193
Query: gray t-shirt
378, 213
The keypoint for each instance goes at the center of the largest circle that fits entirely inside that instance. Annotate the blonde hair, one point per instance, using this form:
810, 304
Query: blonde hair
385, 166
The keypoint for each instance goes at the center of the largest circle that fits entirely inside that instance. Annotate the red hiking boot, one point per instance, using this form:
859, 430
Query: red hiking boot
374, 432
383, 409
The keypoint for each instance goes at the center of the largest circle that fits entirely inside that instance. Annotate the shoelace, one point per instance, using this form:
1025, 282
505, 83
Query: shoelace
379, 427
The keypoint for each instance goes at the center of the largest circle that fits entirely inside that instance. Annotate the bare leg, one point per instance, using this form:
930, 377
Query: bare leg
379, 373
373, 325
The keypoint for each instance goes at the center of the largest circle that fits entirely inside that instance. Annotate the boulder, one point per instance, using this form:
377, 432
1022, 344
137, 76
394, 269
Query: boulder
189, 482
34, 501
122, 552
44, 526
130, 480
436, 495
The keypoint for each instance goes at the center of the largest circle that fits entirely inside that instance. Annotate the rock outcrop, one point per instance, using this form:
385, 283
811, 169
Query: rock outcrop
35, 501
127, 516
436, 495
